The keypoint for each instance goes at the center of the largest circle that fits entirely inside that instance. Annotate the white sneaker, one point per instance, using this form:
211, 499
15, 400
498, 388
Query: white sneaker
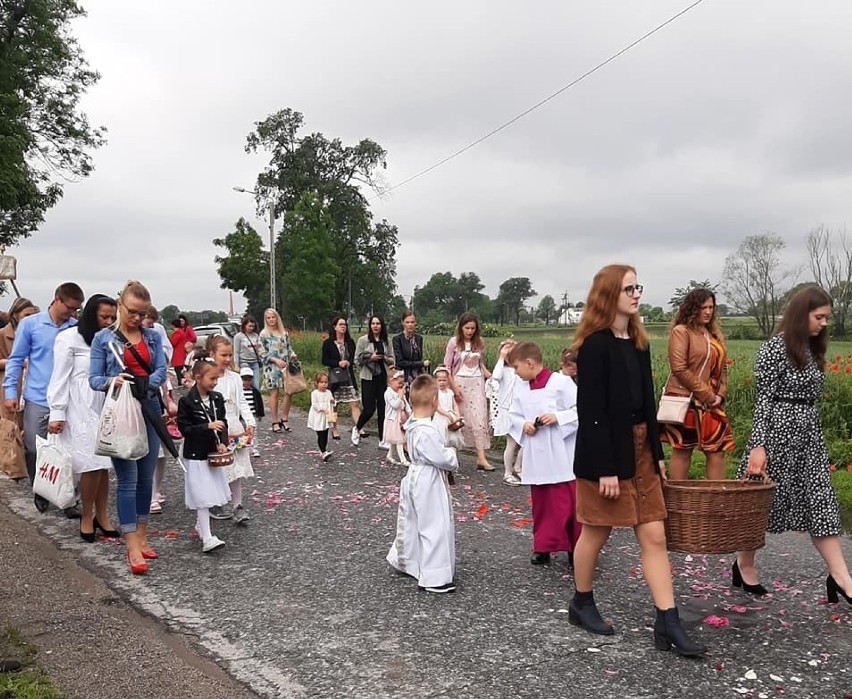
326, 455
211, 544
384, 445
356, 436
255, 453
156, 508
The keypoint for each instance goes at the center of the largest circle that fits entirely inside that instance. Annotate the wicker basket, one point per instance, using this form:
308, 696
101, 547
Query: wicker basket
717, 516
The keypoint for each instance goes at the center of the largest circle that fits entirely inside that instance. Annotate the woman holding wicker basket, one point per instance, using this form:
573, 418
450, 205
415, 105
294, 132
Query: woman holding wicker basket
787, 444
698, 364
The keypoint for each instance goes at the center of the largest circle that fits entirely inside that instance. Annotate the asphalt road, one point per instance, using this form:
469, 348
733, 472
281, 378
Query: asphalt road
300, 603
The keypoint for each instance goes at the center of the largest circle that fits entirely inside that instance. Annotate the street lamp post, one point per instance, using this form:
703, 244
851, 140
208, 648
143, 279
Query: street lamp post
272, 290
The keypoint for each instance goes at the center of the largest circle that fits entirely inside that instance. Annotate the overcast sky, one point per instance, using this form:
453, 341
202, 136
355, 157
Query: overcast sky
733, 120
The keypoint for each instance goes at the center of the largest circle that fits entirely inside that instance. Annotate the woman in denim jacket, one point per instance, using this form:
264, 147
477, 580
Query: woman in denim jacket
111, 359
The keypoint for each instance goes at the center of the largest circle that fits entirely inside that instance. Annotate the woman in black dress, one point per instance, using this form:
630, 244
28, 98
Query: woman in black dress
787, 444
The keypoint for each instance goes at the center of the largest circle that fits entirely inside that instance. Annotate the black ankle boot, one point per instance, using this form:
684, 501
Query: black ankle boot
583, 612
668, 632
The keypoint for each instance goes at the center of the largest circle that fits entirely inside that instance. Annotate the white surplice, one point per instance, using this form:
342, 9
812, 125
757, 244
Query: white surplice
425, 546
237, 413
549, 454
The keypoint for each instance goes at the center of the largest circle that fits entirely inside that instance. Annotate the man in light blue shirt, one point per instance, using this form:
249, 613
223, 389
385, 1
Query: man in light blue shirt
34, 340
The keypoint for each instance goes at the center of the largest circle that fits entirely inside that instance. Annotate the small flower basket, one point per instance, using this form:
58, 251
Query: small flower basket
717, 516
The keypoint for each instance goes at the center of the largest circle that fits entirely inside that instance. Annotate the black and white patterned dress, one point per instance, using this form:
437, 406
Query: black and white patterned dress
786, 423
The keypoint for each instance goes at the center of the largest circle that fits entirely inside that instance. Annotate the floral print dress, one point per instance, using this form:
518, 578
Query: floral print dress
786, 423
276, 347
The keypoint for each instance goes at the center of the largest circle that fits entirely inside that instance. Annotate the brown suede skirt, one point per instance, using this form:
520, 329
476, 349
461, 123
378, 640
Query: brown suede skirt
640, 499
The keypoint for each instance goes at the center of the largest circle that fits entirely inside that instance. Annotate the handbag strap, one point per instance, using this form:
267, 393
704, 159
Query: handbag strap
701, 371
138, 357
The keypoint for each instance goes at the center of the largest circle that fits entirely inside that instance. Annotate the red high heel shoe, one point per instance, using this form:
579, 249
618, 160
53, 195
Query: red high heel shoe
136, 568
150, 554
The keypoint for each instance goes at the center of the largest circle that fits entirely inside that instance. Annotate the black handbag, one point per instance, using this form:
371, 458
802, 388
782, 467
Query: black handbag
338, 377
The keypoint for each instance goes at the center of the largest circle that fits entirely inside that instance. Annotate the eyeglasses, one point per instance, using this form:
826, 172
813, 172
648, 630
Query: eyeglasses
633, 290
135, 314
72, 309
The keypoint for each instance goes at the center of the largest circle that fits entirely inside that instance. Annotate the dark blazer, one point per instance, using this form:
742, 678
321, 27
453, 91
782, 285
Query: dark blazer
411, 364
605, 433
198, 439
331, 357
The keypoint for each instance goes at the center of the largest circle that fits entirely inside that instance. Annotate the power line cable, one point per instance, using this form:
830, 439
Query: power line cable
547, 99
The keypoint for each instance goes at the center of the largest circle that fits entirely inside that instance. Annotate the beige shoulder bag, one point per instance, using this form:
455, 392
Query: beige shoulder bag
672, 410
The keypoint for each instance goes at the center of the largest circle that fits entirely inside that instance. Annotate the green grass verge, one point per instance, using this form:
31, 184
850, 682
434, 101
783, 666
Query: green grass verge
31, 682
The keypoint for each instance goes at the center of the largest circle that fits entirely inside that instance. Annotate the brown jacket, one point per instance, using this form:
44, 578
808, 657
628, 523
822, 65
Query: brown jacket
688, 350
7, 339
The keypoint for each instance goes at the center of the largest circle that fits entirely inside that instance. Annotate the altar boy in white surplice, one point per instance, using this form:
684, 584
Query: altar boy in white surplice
543, 420
425, 544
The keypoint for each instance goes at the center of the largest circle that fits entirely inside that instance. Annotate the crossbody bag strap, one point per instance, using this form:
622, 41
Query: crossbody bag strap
701, 371
138, 357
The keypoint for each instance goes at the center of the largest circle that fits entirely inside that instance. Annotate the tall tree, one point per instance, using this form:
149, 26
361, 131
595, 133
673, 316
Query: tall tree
307, 257
365, 253
246, 266
547, 308
44, 135
681, 292
755, 279
830, 259
513, 294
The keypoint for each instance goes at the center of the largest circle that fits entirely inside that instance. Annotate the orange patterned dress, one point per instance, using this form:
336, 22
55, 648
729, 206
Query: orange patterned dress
705, 429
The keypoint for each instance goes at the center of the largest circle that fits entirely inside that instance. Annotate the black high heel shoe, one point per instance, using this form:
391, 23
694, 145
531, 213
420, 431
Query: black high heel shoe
109, 533
737, 581
88, 537
833, 591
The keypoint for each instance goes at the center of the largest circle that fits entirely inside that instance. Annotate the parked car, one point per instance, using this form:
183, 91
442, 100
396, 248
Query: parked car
205, 331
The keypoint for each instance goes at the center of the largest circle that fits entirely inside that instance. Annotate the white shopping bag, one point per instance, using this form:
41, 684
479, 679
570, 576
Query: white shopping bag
121, 428
54, 480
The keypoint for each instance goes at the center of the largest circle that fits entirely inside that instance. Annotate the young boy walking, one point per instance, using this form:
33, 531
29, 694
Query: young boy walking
544, 414
424, 547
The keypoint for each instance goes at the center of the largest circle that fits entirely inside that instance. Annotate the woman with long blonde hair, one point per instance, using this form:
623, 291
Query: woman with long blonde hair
277, 352
619, 460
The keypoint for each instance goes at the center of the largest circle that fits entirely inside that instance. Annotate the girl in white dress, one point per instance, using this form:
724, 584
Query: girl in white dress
201, 420
322, 406
396, 406
505, 378
448, 410
241, 424
75, 410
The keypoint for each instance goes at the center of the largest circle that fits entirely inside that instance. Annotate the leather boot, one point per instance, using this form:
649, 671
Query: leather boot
668, 632
583, 612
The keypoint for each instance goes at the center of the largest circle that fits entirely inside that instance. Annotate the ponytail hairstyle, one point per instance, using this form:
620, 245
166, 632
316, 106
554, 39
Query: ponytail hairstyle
133, 288
203, 362
214, 342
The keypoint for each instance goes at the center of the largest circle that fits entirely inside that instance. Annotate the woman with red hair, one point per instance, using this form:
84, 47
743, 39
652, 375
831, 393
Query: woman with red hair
618, 460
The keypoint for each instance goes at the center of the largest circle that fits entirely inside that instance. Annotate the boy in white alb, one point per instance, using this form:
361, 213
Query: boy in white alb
544, 414
425, 545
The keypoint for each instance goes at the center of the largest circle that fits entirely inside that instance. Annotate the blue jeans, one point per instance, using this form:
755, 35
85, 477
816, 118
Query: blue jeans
135, 482
255, 367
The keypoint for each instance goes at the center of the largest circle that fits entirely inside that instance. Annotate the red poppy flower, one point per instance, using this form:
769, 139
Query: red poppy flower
849, 370
728, 362
832, 468
835, 368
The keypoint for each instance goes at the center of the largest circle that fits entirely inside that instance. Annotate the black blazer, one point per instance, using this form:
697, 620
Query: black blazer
411, 364
331, 357
192, 420
605, 432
